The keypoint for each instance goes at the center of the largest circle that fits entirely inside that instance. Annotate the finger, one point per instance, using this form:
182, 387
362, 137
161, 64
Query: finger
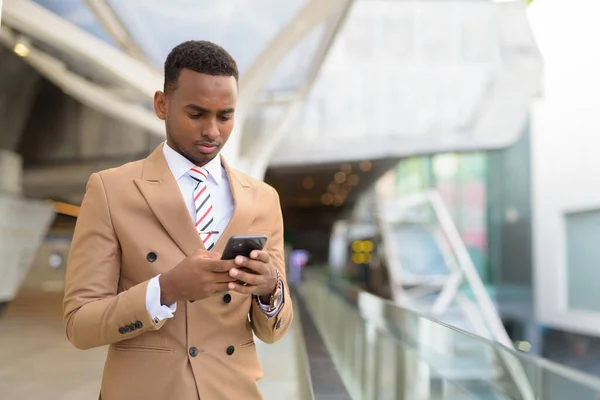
260, 255
220, 265
223, 277
220, 287
258, 267
247, 289
248, 277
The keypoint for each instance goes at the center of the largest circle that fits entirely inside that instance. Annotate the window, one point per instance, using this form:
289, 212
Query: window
583, 260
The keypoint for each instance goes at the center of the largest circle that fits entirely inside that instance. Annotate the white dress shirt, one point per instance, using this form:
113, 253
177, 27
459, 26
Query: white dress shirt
223, 205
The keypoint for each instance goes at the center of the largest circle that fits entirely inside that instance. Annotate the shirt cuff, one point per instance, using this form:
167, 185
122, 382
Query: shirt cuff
265, 308
157, 311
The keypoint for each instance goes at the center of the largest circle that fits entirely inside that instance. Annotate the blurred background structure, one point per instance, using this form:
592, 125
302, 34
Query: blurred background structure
435, 161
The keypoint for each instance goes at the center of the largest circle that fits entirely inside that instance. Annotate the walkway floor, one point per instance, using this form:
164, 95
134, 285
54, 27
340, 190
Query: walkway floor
37, 361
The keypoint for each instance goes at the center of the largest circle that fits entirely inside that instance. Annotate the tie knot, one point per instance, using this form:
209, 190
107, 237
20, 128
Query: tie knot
199, 174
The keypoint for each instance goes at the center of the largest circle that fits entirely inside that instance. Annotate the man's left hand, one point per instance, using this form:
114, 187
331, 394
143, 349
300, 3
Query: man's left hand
260, 277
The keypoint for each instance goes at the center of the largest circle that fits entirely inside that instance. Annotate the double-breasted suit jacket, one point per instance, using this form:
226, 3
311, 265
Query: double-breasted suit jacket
133, 225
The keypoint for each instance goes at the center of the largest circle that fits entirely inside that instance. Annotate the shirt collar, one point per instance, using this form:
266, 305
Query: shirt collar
179, 165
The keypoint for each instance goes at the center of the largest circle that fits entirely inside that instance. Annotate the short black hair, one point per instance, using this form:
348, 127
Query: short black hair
200, 56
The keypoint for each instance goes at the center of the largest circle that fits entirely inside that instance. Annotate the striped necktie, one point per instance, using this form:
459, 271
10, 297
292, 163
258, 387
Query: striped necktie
204, 209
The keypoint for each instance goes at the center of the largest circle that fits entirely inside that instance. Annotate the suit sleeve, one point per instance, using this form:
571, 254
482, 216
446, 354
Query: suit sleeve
95, 311
270, 330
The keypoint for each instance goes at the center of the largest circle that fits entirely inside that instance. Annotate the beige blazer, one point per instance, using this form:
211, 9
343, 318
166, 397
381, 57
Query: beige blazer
133, 224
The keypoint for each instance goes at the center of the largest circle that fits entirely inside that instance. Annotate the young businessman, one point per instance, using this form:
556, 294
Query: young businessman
144, 273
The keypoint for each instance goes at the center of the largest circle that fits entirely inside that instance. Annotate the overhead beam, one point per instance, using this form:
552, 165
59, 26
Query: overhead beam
255, 78
265, 145
115, 27
308, 18
88, 93
331, 32
38, 23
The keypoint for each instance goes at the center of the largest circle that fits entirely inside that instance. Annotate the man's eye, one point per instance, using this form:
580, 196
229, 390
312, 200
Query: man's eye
225, 117
195, 116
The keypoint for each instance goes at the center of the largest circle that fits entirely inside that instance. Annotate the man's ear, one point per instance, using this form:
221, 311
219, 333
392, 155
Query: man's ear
160, 105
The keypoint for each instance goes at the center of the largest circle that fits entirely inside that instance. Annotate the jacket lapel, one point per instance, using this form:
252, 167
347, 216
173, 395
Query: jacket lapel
162, 193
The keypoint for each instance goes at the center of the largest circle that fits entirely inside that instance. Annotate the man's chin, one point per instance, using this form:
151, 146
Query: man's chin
199, 157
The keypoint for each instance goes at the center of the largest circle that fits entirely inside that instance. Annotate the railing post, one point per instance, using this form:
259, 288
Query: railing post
350, 347
361, 367
376, 367
400, 384
366, 367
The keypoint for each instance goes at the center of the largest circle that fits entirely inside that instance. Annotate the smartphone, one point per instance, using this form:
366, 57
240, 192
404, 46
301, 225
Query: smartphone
243, 246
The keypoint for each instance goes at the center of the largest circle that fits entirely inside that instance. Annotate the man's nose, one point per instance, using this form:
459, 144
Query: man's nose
211, 129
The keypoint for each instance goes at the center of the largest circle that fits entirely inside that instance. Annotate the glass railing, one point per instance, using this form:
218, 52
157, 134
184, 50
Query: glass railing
384, 351
430, 268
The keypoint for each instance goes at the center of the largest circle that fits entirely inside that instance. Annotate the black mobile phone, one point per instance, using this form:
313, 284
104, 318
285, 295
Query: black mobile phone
243, 246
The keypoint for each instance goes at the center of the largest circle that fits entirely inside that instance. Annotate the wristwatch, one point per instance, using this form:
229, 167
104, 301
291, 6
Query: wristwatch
275, 299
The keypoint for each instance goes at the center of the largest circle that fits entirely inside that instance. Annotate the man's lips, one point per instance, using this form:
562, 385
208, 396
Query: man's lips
206, 148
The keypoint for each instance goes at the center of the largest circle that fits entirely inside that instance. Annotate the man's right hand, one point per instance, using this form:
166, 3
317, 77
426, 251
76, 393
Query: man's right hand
196, 277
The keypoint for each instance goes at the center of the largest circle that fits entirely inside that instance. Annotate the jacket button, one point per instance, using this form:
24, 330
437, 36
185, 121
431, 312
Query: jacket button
193, 351
230, 350
127, 328
138, 324
227, 298
122, 331
151, 256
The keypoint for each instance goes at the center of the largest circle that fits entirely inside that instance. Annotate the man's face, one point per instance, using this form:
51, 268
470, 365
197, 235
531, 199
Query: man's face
198, 114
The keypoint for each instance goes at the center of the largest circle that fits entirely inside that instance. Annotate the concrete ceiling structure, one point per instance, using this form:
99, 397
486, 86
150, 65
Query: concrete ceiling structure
324, 84
414, 77
67, 45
